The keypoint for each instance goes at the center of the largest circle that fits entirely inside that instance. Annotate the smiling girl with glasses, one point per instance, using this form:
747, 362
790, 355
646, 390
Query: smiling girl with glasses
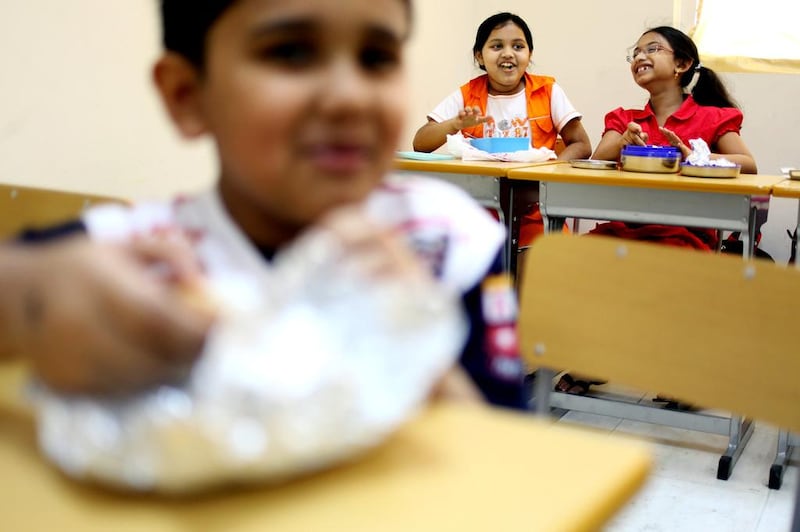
687, 101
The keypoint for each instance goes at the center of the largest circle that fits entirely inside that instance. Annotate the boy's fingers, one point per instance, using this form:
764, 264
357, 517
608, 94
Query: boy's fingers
175, 254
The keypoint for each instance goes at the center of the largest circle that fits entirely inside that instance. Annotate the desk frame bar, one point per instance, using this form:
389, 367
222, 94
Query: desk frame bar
643, 205
737, 429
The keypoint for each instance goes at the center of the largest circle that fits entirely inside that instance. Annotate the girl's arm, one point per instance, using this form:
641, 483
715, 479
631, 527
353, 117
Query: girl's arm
612, 142
732, 147
729, 146
433, 134
576, 140
609, 147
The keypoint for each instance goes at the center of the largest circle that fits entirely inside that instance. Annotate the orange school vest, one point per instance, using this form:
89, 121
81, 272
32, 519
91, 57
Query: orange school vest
537, 95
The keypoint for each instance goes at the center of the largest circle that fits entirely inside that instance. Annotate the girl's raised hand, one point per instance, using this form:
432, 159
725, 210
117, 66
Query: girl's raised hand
634, 135
470, 116
676, 141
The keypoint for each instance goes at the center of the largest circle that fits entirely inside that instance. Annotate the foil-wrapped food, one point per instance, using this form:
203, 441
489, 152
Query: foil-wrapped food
308, 365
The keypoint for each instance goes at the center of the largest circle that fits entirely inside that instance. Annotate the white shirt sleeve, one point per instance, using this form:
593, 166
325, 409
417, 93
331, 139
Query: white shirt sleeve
561, 109
448, 108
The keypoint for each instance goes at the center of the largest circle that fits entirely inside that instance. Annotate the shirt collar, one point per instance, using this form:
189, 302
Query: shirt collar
686, 111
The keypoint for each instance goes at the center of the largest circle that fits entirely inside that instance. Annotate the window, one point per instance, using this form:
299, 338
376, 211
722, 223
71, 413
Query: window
747, 35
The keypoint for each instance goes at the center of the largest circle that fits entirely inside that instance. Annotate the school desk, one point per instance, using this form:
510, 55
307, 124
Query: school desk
787, 441
670, 199
487, 183
455, 467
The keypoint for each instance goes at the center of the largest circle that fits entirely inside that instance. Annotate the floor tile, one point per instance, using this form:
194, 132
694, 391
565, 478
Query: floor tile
590, 420
668, 505
683, 492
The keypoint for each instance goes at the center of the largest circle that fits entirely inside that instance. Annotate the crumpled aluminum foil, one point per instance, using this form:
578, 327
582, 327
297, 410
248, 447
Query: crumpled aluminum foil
309, 364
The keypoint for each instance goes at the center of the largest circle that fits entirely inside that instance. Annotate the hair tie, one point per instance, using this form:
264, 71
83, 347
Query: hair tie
698, 67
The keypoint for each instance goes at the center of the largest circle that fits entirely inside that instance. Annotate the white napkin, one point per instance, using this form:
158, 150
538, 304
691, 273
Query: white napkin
701, 155
460, 147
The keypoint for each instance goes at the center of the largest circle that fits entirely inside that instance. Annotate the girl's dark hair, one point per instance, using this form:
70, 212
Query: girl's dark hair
496, 21
709, 89
185, 25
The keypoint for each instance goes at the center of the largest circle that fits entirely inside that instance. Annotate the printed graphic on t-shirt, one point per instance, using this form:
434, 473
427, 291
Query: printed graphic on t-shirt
505, 127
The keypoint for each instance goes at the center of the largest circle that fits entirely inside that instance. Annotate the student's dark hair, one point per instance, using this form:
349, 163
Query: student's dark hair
185, 25
496, 21
709, 89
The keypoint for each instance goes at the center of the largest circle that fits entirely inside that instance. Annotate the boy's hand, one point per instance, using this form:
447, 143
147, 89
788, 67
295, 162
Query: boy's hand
95, 318
373, 251
456, 386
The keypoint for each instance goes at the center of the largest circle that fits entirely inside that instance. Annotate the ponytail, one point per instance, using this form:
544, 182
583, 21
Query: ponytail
702, 83
709, 89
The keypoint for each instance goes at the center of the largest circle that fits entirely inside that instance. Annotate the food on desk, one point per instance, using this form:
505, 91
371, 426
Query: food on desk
306, 367
593, 164
710, 170
501, 144
654, 159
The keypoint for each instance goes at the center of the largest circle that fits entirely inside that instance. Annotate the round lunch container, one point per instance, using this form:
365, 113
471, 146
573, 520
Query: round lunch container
710, 171
657, 159
501, 144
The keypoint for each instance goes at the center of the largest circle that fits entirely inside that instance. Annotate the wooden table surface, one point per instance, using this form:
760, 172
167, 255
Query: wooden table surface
788, 188
458, 166
453, 468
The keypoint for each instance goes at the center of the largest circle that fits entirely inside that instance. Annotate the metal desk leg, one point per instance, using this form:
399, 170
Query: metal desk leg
542, 388
786, 444
517, 198
796, 516
749, 237
796, 232
740, 432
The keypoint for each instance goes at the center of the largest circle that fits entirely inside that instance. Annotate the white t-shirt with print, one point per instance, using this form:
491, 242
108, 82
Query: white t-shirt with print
509, 112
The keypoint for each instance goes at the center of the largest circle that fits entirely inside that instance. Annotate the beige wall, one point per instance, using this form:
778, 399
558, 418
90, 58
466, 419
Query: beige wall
78, 112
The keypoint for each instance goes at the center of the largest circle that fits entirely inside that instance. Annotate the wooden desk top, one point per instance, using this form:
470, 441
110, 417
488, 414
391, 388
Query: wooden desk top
24, 207
453, 468
788, 188
754, 184
457, 166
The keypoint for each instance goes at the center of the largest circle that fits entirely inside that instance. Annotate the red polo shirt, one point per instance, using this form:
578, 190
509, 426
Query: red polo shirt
690, 121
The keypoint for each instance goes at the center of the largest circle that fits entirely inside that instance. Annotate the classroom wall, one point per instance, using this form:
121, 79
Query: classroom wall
78, 111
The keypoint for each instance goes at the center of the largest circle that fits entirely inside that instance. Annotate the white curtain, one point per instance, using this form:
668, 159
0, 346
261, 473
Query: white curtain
748, 35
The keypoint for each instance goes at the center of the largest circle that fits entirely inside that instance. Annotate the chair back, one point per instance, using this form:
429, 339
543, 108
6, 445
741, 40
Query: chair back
30, 207
706, 328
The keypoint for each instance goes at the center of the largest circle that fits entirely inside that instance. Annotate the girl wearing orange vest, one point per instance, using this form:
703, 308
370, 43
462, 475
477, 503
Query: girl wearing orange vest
508, 101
